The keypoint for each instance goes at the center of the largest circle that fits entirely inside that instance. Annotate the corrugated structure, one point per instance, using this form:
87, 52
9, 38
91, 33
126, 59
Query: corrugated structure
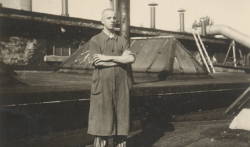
153, 55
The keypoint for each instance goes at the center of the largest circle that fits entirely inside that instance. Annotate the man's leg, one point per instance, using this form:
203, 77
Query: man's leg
100, 141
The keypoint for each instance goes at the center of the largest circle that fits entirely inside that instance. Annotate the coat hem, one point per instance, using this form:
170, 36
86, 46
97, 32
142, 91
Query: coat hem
97, 134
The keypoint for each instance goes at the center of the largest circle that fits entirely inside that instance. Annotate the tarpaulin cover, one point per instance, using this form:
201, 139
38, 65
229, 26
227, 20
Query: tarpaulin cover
78, 59
153, 55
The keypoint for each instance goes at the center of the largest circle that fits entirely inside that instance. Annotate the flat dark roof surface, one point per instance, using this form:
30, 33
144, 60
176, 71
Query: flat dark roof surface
54, 82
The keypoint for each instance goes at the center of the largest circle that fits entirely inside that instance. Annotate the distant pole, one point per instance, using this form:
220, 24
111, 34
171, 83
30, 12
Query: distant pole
182, 29
26, 5
114, 6
111, 4
124, 6
203, 26
152, 15
65, 8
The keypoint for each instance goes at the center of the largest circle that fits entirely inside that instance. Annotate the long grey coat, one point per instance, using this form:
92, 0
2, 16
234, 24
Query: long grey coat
109, 100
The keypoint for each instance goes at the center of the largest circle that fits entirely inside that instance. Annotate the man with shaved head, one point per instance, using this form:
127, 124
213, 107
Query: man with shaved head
109, 100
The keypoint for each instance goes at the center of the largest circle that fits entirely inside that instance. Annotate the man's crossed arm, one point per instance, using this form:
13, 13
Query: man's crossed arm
108, 61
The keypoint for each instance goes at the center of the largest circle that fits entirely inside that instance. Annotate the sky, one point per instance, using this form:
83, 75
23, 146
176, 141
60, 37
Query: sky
233, 13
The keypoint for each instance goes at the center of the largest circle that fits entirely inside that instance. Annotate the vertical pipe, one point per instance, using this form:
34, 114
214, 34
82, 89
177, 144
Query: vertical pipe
124, 7
26, 5
182, 22
115, 4
182, 29
152, 15
203, 28
65, 8
111, 4
125, 18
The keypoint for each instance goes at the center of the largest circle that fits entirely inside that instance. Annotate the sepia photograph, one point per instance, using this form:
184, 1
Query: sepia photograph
124, 73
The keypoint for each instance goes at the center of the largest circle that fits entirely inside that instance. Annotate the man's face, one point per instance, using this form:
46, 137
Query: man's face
109, 19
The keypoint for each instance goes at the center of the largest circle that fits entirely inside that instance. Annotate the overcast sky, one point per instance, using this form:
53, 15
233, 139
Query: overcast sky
233, 13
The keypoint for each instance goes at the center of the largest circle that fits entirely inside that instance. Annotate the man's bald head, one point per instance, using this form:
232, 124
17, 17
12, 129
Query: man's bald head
108, 19
105, 11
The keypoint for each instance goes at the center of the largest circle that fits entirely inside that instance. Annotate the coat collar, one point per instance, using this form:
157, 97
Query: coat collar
107, 37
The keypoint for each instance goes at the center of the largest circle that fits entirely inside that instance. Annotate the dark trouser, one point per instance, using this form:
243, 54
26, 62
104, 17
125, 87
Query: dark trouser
104, 141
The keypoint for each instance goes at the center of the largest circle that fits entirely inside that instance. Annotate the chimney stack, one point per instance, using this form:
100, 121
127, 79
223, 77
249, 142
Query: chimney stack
203, 26
65, 8
114, 5
26, 5
182, 29
152, 15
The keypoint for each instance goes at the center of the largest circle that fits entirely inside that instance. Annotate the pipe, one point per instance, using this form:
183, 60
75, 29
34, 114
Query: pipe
203, 27
125, 18
65, 8
114, 6
182, 22
182, 29
228, 32
152, 15
111, 4
26, 5
124, 7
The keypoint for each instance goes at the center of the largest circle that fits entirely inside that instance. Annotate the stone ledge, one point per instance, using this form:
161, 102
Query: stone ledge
54, 58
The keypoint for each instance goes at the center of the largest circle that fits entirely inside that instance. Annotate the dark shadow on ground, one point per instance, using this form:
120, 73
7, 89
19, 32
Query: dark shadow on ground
154, 125
6, 76
39, 120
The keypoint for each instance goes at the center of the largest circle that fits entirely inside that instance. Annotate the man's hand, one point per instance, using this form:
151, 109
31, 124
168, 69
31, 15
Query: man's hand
99, 57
